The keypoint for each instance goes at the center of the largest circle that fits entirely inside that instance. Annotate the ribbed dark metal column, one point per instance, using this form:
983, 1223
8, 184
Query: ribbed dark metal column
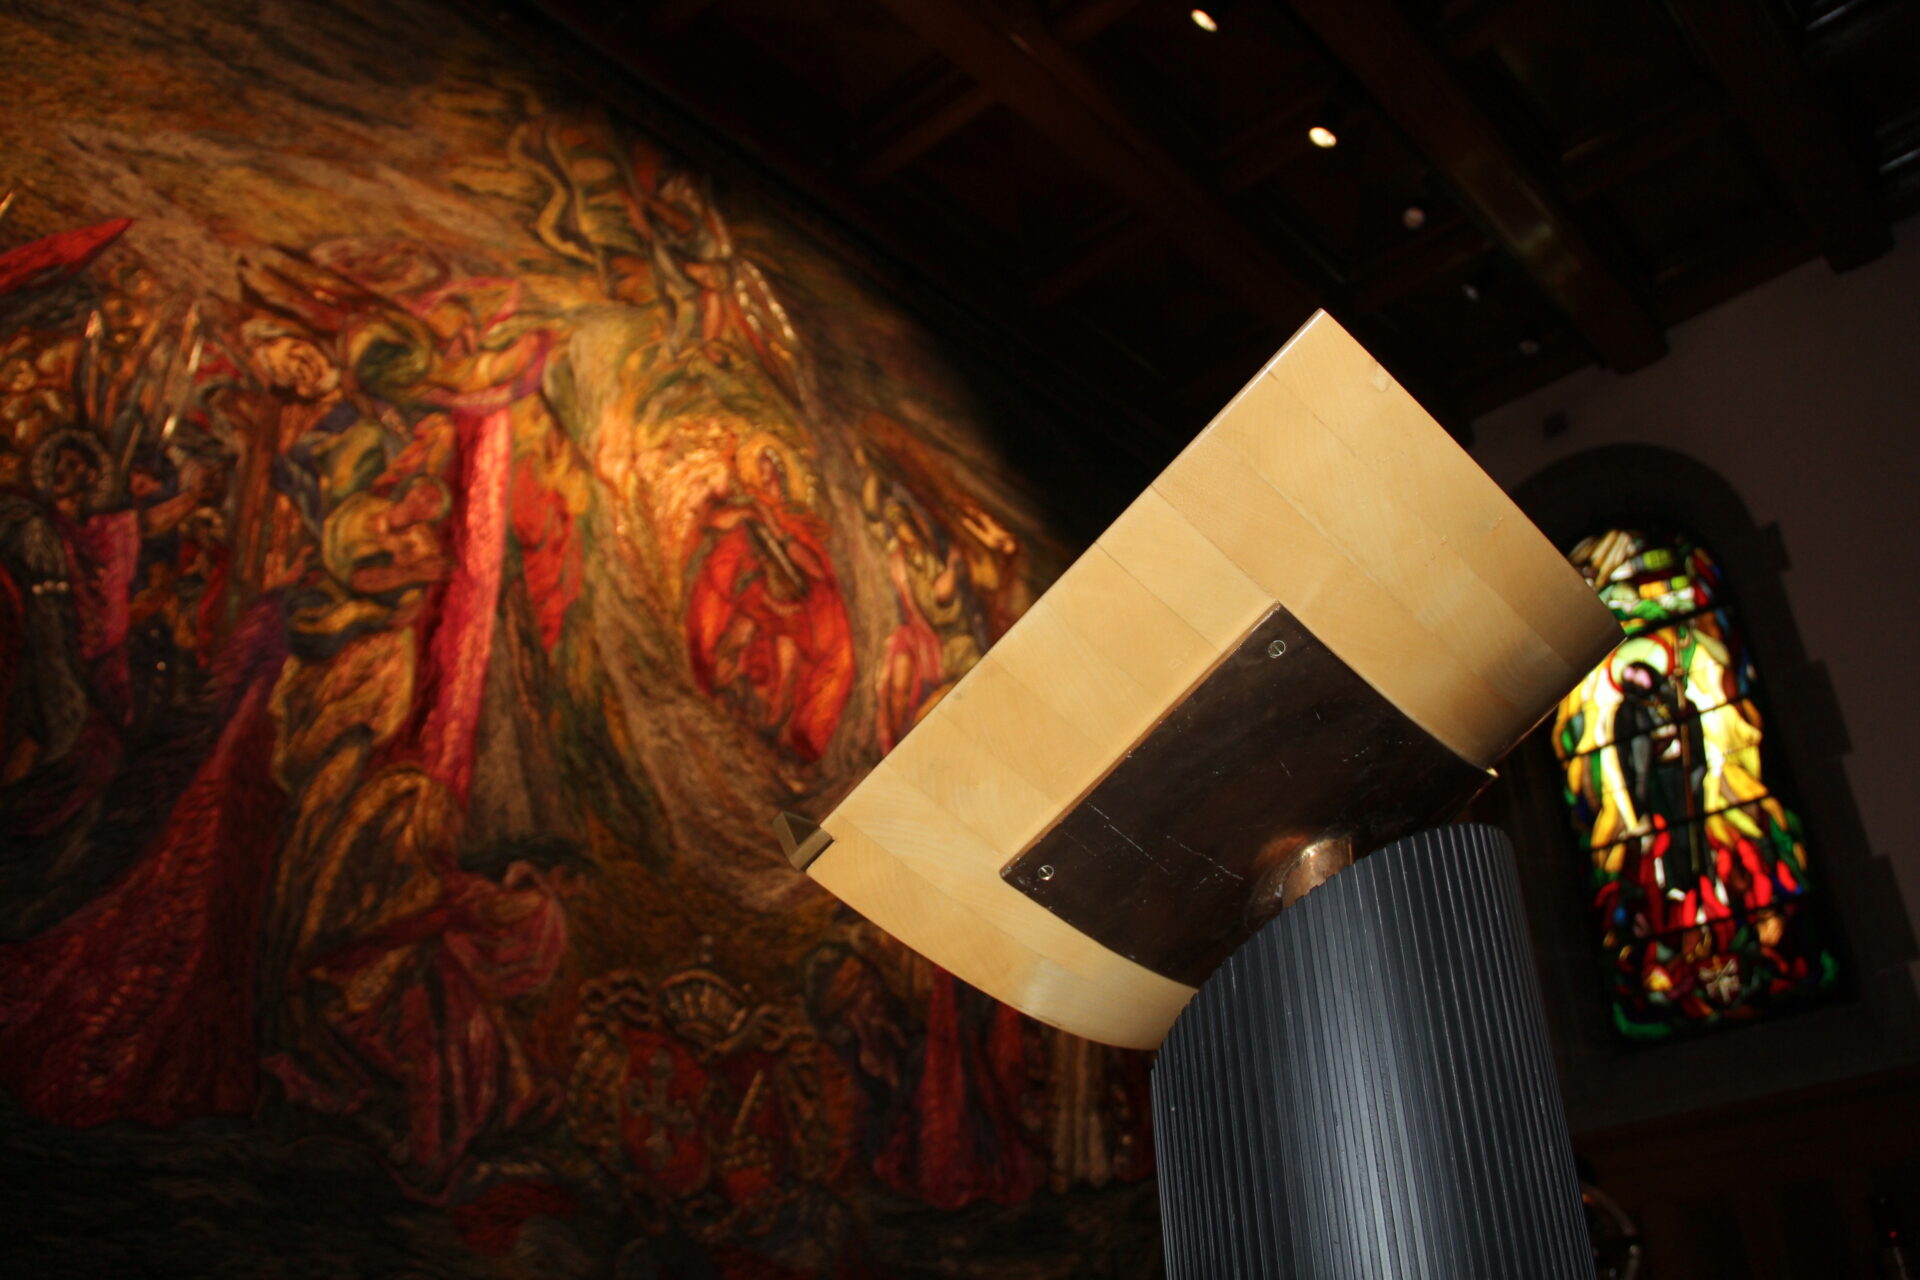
1365, 1092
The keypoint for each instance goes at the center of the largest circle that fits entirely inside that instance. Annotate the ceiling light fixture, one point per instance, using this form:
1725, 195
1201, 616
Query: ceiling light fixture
1413, 217
1204, 20
1327, 121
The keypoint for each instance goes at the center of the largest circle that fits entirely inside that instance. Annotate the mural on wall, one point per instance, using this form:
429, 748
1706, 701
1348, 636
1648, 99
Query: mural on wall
439, 527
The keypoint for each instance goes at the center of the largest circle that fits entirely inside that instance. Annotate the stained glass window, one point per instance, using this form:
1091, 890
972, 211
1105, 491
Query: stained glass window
1696, 869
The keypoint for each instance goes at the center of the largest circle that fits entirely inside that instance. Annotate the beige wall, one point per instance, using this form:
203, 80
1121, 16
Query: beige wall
1805, 395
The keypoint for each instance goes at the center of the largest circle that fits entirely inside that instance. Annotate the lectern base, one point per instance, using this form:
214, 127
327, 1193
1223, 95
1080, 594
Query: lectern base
1364, 1090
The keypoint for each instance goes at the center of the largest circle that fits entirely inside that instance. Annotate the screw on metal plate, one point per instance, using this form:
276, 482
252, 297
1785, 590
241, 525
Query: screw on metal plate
1277, 648
1046, 871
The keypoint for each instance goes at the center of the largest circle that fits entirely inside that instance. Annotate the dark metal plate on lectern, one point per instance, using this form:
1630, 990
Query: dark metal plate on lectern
1168, 859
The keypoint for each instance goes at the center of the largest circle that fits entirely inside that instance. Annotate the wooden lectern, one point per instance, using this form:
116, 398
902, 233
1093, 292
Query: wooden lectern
1315, 633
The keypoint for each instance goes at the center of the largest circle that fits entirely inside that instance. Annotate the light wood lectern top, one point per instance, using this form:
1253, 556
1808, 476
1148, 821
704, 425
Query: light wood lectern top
1315, 632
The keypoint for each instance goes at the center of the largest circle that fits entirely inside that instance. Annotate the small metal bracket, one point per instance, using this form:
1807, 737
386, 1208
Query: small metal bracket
800, 840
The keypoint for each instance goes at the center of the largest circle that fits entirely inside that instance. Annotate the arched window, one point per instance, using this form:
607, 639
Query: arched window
1865, 1020
1697, 867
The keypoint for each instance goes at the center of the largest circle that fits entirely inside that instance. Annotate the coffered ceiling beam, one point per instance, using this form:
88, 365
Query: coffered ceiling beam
1035, 75
1469, 26
1252, 155
1659, 131
918, 128
1795, 132
1511, 374
1269, 144
1385, 53
1436, 253
671, 17
1105, 248
1733, 258
904, 138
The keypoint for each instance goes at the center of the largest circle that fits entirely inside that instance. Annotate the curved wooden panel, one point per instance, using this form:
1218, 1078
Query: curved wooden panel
1005, 944
1322, 494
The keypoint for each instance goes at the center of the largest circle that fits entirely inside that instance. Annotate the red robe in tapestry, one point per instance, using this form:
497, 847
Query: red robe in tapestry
766, 624
140, 1006
962, 1139
911, 666
74, 638
550, 557
102, 554
57, 257
423, 1007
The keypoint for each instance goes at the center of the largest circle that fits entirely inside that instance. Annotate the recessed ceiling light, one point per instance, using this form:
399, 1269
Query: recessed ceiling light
1321, 136
1204, 20
1413, 217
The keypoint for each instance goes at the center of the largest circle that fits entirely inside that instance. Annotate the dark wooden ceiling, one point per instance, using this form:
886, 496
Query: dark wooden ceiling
1137, 201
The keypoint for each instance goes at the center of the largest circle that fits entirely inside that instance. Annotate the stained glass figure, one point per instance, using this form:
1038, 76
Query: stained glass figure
1697, 870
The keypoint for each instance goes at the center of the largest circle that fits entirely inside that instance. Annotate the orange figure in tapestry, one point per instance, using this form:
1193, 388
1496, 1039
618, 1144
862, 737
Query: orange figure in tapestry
766, 627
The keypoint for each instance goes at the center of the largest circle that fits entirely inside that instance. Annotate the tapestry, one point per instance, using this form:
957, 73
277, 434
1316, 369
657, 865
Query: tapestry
442, 522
